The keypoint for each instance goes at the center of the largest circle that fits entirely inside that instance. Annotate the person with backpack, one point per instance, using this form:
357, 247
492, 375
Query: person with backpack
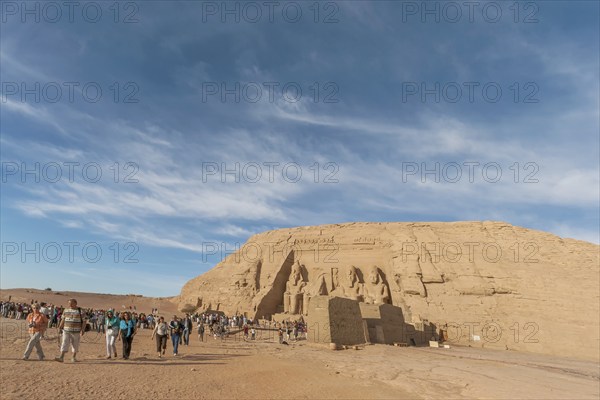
72, 325
176, 328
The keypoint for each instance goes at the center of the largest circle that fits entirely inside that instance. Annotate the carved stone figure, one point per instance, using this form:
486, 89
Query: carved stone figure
334, 279
376, 290
412, 275
293, 297
317, 288
351, 286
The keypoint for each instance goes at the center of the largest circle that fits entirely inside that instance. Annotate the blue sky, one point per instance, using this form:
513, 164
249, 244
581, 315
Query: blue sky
369, 132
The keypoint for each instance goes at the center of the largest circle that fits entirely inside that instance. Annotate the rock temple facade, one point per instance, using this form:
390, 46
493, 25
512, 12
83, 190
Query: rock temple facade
487, 284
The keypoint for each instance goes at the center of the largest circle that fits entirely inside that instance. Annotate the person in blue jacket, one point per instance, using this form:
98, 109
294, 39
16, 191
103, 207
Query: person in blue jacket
127, 332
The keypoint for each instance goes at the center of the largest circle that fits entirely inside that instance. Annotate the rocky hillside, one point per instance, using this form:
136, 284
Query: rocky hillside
487, 284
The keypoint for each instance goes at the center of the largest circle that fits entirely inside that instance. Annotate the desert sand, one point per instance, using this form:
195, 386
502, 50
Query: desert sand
264, 369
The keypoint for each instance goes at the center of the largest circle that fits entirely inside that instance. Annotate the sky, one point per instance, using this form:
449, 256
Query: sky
143, 141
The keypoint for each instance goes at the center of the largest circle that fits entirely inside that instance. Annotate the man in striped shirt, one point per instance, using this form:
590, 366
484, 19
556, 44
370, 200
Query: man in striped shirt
72, 325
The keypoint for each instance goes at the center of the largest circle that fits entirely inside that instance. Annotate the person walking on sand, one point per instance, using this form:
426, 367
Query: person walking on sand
101, 322
72, 326
161, 330
37, 323
280, 334
127, 332
112, 333
201, 332
187, 329
245, 332
176, 328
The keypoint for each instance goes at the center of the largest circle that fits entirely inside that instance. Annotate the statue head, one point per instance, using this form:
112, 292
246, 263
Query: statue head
296, 274
352, 275
374, 275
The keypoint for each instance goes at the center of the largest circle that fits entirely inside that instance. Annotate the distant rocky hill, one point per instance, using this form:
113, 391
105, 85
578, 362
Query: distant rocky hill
487, 284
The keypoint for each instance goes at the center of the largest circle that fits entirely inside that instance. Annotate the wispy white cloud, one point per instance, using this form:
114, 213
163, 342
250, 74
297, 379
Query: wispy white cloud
173, 207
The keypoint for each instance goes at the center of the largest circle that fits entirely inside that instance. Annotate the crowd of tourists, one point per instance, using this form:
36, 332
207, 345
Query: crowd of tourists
73, 322
15, 310
53, 313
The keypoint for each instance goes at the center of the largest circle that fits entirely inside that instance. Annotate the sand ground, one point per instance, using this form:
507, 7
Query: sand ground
265, 369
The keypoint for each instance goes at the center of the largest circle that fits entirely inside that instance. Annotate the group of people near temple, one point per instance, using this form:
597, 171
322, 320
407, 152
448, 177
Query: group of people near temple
74, 322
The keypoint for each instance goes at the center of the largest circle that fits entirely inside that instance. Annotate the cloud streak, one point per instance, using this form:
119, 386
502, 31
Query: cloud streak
364, 142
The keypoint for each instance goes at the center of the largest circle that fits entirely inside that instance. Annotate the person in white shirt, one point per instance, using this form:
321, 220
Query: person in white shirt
161, 331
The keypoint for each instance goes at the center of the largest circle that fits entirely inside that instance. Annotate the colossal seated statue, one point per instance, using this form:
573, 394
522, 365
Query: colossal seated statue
351, 285
376, 290
316, 288
348, 285
293, 298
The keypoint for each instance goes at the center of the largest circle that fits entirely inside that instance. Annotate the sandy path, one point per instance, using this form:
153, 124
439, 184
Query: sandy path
213, 369
463, 372
264, 369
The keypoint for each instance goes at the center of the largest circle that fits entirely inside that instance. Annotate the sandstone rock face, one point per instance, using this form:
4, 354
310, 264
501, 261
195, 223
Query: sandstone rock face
335, 320
487, 284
